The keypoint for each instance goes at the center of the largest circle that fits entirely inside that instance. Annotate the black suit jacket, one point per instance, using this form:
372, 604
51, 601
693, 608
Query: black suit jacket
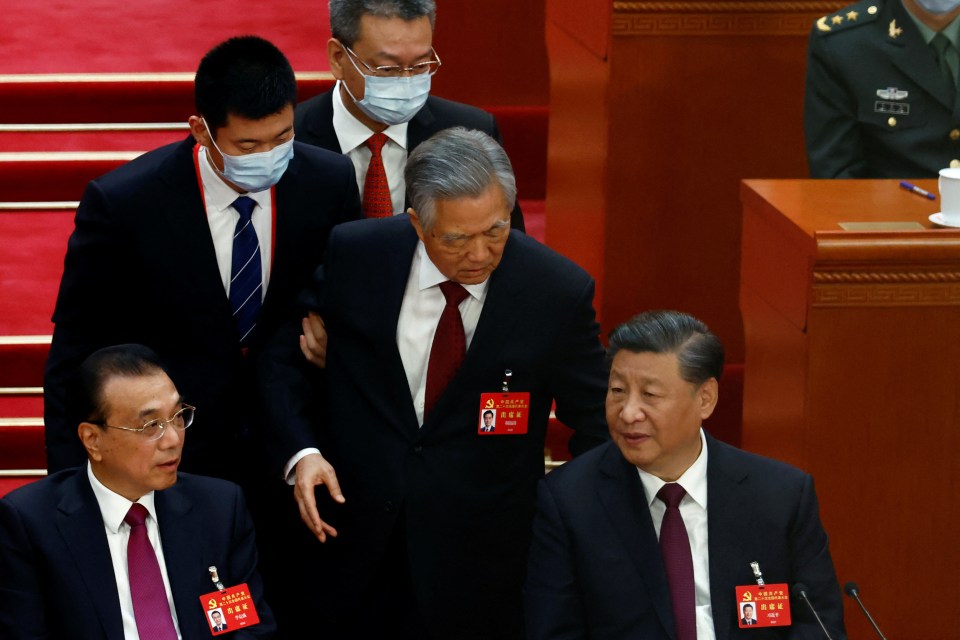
141, 267
314, 125
595, 565
465, 501
852, 131
56, 575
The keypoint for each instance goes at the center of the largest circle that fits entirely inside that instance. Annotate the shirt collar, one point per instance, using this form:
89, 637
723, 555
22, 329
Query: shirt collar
430, 276
113, 506
951, 31
219, 194
351, 133
693, 480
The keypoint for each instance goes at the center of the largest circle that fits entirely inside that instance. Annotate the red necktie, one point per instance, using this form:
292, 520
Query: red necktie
150, 607
678, 561
449, 345
376, 191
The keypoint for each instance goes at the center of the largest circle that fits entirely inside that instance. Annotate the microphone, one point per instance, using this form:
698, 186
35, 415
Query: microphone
852, 590
799, 592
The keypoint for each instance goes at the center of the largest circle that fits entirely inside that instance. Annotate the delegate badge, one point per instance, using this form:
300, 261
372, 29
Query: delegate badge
229, 609
766, 606
505, 413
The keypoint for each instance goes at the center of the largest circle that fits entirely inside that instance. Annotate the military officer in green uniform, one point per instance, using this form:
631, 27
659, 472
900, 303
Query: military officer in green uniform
881, 96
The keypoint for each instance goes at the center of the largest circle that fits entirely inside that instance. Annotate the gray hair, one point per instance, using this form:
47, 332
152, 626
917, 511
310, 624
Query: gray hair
456, 163
345, 14
699, 352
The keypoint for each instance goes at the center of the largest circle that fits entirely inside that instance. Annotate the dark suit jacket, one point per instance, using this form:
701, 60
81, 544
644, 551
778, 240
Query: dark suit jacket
595, 565
314, 125
140, 267
851, 131
56, 575
464, 500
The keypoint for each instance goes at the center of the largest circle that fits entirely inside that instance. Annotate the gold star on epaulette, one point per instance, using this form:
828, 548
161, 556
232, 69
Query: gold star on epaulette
836, 19
852, 16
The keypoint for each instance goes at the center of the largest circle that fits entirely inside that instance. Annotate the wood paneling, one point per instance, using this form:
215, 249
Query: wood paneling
862, 392
693, 97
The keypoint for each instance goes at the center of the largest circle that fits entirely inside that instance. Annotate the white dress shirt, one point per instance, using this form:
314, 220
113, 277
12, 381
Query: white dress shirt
222, 218
423, 303
114, 508
693, 509
353, 134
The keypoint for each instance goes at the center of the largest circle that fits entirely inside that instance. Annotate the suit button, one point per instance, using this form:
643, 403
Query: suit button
955, 135
418, 449
955, 164
872, 10
892, 121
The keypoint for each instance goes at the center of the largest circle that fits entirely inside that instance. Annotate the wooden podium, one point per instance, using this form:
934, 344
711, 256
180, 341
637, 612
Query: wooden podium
852, 336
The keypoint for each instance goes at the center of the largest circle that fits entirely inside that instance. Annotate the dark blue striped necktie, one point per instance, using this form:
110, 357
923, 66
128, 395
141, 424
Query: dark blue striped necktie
246, 280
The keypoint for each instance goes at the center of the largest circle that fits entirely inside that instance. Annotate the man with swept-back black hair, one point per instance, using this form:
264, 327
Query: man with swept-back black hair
198, 249
651, 535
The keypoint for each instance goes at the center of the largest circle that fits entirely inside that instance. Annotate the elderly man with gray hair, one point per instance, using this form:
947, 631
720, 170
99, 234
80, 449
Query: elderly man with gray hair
432, 317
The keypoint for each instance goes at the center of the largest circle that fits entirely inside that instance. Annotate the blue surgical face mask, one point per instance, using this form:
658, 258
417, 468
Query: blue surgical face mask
939, 7
391, 100
255, 171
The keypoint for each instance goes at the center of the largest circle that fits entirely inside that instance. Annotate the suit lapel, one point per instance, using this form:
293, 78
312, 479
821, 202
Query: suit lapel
621, 494
730, 516
397, 259
421, 127
182, 539
81, 525
320, 125
912, 55
186, 233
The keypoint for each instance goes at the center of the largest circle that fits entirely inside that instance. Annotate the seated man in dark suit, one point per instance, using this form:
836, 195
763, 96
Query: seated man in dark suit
649, 536
124, 545
430, 315
380, 108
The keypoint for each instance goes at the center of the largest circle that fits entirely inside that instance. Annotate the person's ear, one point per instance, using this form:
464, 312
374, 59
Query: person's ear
91, 436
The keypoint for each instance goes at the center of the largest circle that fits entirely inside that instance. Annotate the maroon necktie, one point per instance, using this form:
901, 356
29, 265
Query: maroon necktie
150, 607
449, 345
376, 191
675, 549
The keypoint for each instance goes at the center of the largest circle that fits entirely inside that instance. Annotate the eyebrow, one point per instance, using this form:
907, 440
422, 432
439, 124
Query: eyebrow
256, 140
499, 224
151, 410
390, 56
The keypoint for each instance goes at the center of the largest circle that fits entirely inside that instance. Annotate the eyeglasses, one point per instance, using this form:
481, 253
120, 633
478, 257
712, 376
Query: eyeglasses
154, 429
396, 71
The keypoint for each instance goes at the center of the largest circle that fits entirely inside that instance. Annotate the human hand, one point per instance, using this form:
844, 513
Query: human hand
313, 470
313, 341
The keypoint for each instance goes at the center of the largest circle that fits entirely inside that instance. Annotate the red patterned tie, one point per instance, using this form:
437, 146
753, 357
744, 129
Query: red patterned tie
150, 607
376, 191
675, 549
449, 345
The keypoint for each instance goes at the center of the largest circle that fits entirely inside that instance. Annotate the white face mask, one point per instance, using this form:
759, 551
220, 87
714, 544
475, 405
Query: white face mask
391, 100
255, 171
939, 7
